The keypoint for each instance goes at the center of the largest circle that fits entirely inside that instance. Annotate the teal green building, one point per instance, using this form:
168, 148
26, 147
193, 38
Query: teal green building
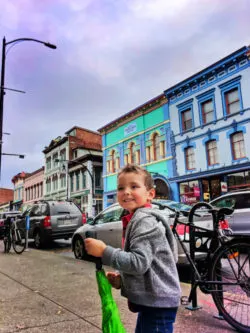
142, 136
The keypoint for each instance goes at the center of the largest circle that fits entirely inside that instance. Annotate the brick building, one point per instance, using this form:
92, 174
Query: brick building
6, 194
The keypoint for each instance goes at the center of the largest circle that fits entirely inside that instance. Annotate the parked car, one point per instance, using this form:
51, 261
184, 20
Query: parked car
107, 226
4, 216
239, 221
52, 220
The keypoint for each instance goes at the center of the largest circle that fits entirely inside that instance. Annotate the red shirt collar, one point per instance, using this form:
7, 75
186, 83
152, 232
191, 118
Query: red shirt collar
126, 219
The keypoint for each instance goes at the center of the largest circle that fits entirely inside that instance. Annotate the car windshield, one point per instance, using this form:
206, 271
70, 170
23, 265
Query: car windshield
173, 204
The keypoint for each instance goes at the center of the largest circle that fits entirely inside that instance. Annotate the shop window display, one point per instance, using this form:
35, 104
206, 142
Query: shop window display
190, 192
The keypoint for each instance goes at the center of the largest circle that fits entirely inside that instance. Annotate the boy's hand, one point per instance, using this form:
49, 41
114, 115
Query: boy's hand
94, 247
114, 279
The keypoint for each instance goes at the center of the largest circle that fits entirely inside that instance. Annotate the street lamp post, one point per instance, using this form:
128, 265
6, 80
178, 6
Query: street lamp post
2, 88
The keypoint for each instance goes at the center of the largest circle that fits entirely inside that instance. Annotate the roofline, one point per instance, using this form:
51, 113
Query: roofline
81, 128
207, 69
130, 112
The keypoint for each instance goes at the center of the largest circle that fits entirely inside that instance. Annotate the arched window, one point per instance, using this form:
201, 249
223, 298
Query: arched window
238, 145
156, 146
112, 161
132, 153
212, 154
189, 158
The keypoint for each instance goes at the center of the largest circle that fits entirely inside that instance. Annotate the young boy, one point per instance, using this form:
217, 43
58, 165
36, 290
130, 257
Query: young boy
148, 276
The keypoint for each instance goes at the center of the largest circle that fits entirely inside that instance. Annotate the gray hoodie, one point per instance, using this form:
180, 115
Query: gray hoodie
148, 262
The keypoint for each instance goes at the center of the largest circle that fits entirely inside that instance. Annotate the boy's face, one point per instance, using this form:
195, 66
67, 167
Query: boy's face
132, 192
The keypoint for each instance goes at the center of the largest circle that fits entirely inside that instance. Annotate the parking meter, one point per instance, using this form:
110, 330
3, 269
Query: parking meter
27, 227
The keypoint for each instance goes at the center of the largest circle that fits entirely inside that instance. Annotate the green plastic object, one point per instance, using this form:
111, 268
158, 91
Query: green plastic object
111, 321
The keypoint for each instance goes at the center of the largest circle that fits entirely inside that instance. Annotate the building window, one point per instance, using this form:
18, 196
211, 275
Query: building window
71, 182
48, 187
162, 148
138, 158
98, 177
207, 110
63, 181
112, 161
55, 160
212, 154
117, 163
156, 147
232, 101
238, 145
231, 96
48, 163
63, 155
132, 154
125, 159
186, 120
77, 181
190, 192
84, 179
55, 183
189, 158
148, 154
238, 181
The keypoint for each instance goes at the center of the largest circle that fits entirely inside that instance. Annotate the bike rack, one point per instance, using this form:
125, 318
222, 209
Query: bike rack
192, 237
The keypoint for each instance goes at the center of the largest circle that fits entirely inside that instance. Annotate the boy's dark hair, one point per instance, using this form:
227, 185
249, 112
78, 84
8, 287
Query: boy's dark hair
149, 182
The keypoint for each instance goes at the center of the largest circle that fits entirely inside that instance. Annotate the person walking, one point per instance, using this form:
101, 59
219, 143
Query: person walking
147, 276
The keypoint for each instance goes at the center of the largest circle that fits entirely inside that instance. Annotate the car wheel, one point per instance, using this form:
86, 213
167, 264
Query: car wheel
38, 239
79, 248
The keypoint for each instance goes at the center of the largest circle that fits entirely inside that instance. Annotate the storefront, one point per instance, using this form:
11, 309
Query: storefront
209, 188
238, 181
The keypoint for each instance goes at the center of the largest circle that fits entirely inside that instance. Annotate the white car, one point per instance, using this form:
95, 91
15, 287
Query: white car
239, 221
107, 226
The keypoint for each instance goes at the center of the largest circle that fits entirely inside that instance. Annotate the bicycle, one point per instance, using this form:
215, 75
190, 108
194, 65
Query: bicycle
224, 272
13, 236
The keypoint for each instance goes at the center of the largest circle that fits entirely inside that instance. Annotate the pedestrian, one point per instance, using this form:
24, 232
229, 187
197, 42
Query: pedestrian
147, 276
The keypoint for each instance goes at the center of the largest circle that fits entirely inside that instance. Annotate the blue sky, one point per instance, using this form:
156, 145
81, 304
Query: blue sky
111, 57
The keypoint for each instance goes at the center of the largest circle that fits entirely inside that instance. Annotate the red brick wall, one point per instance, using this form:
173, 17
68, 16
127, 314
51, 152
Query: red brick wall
6, 195
86, 139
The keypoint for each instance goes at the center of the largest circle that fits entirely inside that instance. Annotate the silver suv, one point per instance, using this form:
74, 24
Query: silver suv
52, 220
239, 221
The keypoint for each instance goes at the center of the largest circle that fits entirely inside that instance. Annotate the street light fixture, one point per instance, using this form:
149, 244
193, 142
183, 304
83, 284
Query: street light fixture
2, 88
19, 155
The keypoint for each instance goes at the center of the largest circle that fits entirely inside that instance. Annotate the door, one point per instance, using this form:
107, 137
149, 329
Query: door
108, 226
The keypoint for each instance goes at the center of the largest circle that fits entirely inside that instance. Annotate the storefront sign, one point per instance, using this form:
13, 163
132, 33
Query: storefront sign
131, 128
223, 186
196, 191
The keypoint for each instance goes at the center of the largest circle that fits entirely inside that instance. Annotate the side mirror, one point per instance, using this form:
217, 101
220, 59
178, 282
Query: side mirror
90, 220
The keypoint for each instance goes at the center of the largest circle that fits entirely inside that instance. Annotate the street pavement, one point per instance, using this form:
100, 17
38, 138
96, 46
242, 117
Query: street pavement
42, 291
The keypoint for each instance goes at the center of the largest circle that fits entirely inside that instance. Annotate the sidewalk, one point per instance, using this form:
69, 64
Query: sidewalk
45, 292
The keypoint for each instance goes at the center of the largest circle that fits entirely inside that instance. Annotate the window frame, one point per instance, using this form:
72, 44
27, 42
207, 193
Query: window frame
189, 148
182, 108
226, 88
213, 149
233, 150
156, 146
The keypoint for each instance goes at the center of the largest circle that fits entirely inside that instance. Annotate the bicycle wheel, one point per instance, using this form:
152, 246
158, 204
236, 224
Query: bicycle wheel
231, 269
18, 240
7, 244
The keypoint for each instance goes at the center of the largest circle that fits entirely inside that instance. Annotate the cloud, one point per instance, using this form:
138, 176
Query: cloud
112, 56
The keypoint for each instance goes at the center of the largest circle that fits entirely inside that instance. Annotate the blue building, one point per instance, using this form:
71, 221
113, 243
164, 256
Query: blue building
141, 136
210, 123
